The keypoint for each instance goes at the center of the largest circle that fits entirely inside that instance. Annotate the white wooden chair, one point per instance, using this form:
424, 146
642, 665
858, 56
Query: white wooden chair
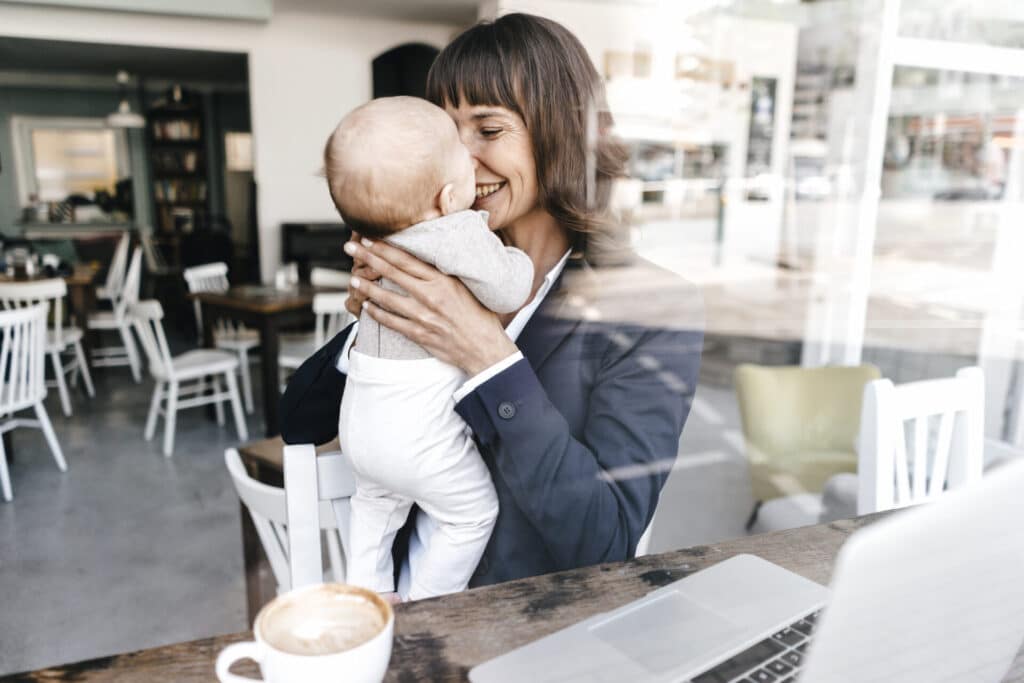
181, 381
22, 381
111, 289
331, 318
329, 278
892, 474
227, 334
268, 510
119, 319
310, 483
59, 339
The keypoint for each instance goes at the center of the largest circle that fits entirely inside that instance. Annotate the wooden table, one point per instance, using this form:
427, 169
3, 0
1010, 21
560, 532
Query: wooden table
81, 296
441, 639
267, 310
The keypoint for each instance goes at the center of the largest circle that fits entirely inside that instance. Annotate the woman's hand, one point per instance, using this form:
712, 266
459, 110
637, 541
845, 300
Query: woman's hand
439, 314
354, 303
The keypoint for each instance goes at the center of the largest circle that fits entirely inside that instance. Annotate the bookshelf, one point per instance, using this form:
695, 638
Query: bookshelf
178, 164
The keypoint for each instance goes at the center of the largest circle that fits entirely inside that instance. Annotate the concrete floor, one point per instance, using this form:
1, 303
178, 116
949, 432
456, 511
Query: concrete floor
126, 550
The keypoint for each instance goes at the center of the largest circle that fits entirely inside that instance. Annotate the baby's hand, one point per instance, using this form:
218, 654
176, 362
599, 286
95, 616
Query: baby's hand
393, 598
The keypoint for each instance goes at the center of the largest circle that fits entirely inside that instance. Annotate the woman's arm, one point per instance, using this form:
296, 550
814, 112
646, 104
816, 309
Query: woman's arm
592, 498
310, 404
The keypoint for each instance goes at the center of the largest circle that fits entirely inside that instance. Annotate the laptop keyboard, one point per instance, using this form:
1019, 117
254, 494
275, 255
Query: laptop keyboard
776, 659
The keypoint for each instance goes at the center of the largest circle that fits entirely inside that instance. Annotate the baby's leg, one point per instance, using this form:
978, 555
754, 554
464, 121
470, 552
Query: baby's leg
377, 515
462, 502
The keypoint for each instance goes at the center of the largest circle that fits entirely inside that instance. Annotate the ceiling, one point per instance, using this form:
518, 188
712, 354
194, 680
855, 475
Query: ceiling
459, 12
55, 56
439, 11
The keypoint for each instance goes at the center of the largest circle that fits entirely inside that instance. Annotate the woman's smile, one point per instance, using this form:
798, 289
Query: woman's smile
485, 192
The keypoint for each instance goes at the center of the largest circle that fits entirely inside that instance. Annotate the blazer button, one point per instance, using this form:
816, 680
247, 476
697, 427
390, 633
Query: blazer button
506, 410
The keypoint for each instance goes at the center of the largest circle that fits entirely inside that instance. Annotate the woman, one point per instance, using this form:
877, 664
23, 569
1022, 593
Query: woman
577, 401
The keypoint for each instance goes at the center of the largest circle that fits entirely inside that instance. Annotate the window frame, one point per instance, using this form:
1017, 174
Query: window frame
22, 128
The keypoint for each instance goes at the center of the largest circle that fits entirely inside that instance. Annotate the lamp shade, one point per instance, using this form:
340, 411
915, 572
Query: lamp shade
124, 117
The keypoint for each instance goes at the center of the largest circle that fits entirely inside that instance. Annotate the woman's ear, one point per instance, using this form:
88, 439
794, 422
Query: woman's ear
446, 200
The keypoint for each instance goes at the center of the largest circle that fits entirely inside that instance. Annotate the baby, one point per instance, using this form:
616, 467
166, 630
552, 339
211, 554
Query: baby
397, 171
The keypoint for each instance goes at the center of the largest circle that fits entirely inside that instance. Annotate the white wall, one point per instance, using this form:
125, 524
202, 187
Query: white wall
305, 72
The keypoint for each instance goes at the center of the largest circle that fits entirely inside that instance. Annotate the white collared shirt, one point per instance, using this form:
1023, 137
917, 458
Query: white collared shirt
513, 330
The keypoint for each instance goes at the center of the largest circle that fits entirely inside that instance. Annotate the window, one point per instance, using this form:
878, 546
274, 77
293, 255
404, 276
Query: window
57, 157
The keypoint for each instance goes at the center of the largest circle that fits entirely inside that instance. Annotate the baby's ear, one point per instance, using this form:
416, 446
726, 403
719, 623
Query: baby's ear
446, 200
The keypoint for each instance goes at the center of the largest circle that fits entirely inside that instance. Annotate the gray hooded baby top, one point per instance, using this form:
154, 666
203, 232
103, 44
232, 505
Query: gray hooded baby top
458, 244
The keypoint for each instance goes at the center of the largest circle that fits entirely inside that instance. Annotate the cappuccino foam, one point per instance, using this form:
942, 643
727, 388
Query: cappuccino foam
321, 621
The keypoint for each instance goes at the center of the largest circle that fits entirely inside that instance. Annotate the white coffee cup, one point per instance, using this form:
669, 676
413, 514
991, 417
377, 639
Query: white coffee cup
317, 634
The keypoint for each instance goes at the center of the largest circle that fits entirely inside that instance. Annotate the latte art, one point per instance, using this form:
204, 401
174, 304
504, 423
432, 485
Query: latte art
324, 621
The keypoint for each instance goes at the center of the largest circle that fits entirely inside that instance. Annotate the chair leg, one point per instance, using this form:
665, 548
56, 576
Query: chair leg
218, 405
131, 352
5, 477
246, 374
62, 387
236, 406
83, 367
51, 438
170, 417
154, 410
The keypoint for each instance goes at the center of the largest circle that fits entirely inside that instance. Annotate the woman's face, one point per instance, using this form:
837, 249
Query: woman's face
506, 173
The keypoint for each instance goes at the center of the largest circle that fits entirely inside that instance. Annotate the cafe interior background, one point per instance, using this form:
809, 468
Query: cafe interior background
842, 180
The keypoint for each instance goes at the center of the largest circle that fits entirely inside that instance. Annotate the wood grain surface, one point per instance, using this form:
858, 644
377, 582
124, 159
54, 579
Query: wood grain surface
260, 298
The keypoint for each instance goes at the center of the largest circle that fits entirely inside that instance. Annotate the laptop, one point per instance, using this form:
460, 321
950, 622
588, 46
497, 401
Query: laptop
933, 593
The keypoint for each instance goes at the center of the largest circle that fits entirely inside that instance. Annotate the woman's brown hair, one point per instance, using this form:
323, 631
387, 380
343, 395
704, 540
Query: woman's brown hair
540, 70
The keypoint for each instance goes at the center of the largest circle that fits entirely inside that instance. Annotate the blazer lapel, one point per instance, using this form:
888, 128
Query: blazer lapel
558, 316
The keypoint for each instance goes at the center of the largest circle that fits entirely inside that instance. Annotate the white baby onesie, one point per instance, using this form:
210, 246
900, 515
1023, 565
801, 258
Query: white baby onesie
401, 433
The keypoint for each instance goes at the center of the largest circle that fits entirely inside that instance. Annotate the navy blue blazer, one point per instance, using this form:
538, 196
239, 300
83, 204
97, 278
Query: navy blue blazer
581, 435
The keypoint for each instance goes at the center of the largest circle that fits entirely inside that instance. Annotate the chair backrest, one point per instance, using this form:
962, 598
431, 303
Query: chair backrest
15, 295
331, 316
946, 420
208, 277
116, 272
309, 481
22, 355
788, 412
147, 318
266, 506
129, 293
328, 277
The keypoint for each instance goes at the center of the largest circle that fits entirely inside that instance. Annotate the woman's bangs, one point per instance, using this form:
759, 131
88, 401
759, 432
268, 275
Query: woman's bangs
473, 70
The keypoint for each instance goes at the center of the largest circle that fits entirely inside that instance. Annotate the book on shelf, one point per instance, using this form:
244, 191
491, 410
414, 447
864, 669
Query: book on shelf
176, 130
180, 190
175, 161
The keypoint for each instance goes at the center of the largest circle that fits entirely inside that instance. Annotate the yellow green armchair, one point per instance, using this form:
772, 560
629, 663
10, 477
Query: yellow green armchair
799, 424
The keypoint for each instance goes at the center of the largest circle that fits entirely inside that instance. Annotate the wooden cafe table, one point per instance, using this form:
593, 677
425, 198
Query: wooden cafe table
266, 309
81, 295
441, 639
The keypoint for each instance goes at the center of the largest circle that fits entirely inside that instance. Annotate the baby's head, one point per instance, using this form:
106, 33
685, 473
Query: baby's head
397, 161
